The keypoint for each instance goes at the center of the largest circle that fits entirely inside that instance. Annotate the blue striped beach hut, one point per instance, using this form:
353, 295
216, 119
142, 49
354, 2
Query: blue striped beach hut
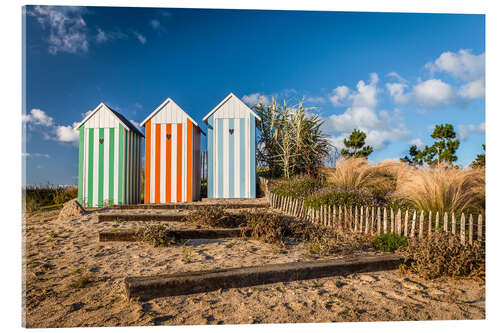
231, 149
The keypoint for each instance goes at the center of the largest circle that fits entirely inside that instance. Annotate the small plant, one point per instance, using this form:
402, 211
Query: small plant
389, 242
186, 253
52, 235
297, 187
156, 235
214, 217
441, 254
80, 283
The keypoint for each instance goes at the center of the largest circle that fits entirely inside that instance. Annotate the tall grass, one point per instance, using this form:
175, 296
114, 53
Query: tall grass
40, 196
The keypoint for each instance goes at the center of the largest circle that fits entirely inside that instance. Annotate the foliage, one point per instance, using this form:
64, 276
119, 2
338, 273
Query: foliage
340, 195
186, 253
443, 150
156, 235
389, 242
355, 145
81, 282
441, 254
443, 189
39, 196
480, 161
336, 241
204, 188
213, 217
291, 141
298, 187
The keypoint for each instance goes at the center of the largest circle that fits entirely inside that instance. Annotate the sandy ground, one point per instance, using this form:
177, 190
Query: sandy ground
59, 253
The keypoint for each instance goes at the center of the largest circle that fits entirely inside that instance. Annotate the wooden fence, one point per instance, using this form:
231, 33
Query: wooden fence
377, 220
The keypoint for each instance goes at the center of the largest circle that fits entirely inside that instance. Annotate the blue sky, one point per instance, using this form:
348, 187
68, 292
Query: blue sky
391, 75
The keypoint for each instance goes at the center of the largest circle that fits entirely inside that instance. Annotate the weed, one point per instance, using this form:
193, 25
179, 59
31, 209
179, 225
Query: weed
389, 242
213, 217
156, 235
80, 283
186, 253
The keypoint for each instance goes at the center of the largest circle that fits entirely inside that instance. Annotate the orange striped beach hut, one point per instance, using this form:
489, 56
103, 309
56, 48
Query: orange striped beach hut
172, 170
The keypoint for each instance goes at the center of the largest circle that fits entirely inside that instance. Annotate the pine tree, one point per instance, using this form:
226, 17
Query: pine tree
355, 145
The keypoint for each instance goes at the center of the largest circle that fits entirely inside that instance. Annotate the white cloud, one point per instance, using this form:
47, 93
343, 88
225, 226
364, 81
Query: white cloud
315, 99
462, 65
380, 127
417, 142
38, 117
67, 133
66, 26
433, 92
463, 131
397, 92
141, 38
255, 98
155, 24
473, 89
339, 95
35, 155
397, 77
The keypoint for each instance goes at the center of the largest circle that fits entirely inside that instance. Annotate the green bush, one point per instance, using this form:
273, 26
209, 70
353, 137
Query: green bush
389, 242
298, 187
340, 195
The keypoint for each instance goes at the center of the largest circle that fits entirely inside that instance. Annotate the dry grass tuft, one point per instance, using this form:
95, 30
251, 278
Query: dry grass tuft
441, 254
443, 189
213, 217
156, 235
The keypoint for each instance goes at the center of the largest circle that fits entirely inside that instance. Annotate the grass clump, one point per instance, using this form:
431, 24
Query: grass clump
81, 282
389, 242
340, 195
441, 254
156, 235
186, 253
327, 242
297, 187
213, 217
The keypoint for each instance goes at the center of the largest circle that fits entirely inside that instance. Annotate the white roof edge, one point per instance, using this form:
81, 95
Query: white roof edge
161, 106
94, 111
224, 101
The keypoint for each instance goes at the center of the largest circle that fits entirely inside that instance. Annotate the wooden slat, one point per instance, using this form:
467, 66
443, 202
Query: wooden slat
421, 225
462, 229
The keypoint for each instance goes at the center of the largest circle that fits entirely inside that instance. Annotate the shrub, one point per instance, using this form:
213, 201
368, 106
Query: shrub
298, 187
389, 242
156, 235
340, 195
213, 217
441, 254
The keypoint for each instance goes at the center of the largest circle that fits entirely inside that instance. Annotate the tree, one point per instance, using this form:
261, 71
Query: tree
443, 150
480, 161
356, 145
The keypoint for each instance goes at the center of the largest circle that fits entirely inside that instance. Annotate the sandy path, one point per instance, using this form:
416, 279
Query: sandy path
60, 252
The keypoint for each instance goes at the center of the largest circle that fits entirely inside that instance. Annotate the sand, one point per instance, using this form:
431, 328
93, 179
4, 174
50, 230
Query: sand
58, 253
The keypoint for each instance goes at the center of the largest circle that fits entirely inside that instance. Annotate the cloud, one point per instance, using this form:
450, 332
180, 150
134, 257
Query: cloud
66, 26
339, 95
106, 36
315, 99
380, 127
67, 133
38, 117
433, 92
397, 77
473, 89
462, 65
255, 98
417, 142
155, 24
463, 131
35, 155
140, 38
397, 92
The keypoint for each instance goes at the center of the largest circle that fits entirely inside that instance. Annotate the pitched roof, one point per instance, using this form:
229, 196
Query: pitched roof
124, 121
228, 97
168, 100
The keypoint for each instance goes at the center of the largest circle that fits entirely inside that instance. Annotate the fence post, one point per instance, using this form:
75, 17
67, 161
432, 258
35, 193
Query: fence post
406, 224
323, 208
341, 220
392, 221
453, 223
372, 224
367, 214
385, 220
379, 222
350, 218
356, 218
330, 215
398, 218
437, 221
430, 222
334, 217
462, 229
361, 218
480, 229
445, 221
421, 225
471, 230
413, 222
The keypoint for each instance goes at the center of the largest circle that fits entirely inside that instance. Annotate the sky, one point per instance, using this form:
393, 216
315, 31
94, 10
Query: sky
392, 75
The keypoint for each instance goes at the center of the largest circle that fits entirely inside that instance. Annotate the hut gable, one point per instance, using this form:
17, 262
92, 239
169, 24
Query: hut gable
105, 117
231, 107
168, 112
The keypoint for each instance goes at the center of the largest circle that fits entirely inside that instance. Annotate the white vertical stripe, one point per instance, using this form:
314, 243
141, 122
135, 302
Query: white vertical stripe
225, 156
163, 172
95, 178
116, 164
215, 163
173, 194
247, 159
152, 164
184, 156
105, 192
237, 158
85, 166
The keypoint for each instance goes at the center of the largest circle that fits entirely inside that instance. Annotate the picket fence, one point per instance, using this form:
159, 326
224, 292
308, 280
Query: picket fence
377, 220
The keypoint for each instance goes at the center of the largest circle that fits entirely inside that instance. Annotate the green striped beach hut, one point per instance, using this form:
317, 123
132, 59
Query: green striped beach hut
109, 159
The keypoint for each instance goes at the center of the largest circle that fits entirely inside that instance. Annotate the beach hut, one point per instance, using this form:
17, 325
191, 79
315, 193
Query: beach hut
109, 161
172, 172
231, 149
